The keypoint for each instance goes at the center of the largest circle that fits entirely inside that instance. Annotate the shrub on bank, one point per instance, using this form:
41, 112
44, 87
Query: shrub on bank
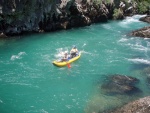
143, 6
118, 14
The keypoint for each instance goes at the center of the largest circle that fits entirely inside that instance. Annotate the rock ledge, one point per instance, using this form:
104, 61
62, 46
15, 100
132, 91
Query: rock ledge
138, 106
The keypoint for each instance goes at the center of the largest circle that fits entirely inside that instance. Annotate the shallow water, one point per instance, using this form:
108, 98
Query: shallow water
29, 82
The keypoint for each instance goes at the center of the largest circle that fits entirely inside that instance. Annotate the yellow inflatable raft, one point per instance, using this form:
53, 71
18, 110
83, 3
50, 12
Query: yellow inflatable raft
64, 63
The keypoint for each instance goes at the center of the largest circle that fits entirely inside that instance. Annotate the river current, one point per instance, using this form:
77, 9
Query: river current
30, 83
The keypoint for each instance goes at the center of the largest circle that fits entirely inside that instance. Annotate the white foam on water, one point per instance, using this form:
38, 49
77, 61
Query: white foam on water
106, 26
138, 16
123, 39
21, 53
18, 56
69, 106
84, 44
125, 23
60, 52
140, 61
134, 19
1, 101
135, 44
43, 111
138, 47
22, 84
147, 39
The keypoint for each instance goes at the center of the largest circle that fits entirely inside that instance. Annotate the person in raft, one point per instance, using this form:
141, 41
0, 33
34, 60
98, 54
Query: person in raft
73, 52
65, 57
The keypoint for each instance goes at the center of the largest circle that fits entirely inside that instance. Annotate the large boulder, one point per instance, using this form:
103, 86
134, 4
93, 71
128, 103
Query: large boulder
145, 19
123, 79
120, 84
138, 106
143, 32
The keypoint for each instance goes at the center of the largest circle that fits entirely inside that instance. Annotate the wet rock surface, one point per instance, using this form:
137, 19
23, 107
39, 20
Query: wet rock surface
145, 19
138, 106
143, 32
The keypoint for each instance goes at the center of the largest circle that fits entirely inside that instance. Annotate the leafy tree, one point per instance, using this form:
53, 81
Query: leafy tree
143, 6
118, 14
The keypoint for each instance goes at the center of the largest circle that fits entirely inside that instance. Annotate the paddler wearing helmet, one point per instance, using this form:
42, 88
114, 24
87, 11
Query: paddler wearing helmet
73, 51
65, 57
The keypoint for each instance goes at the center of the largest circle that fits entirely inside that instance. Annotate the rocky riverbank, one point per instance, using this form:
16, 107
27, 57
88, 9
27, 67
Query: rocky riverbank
24, 16
145, 19
138, 106
126, 85
143, 32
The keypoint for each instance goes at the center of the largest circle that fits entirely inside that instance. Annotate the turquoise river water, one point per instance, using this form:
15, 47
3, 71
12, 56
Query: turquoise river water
30, 83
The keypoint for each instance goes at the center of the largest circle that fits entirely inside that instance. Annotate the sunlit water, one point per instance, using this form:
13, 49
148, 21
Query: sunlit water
29, 82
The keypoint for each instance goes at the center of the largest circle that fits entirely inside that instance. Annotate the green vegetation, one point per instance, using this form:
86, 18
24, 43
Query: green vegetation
139, 6
100, 1
143, 6
117, 13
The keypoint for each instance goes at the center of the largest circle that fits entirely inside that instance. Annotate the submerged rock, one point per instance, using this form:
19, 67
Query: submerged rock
138, 106
146, 71
120, 84
123, 79
17, 17
143, 32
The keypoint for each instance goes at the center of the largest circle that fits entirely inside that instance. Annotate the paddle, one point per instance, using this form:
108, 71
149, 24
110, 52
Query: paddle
68, 65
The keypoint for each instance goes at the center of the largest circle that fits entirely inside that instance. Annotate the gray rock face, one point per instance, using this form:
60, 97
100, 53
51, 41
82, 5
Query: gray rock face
138, 106
145, 19
21, 16
143, 32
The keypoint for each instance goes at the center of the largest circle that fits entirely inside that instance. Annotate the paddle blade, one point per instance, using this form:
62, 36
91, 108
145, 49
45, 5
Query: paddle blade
69, 66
